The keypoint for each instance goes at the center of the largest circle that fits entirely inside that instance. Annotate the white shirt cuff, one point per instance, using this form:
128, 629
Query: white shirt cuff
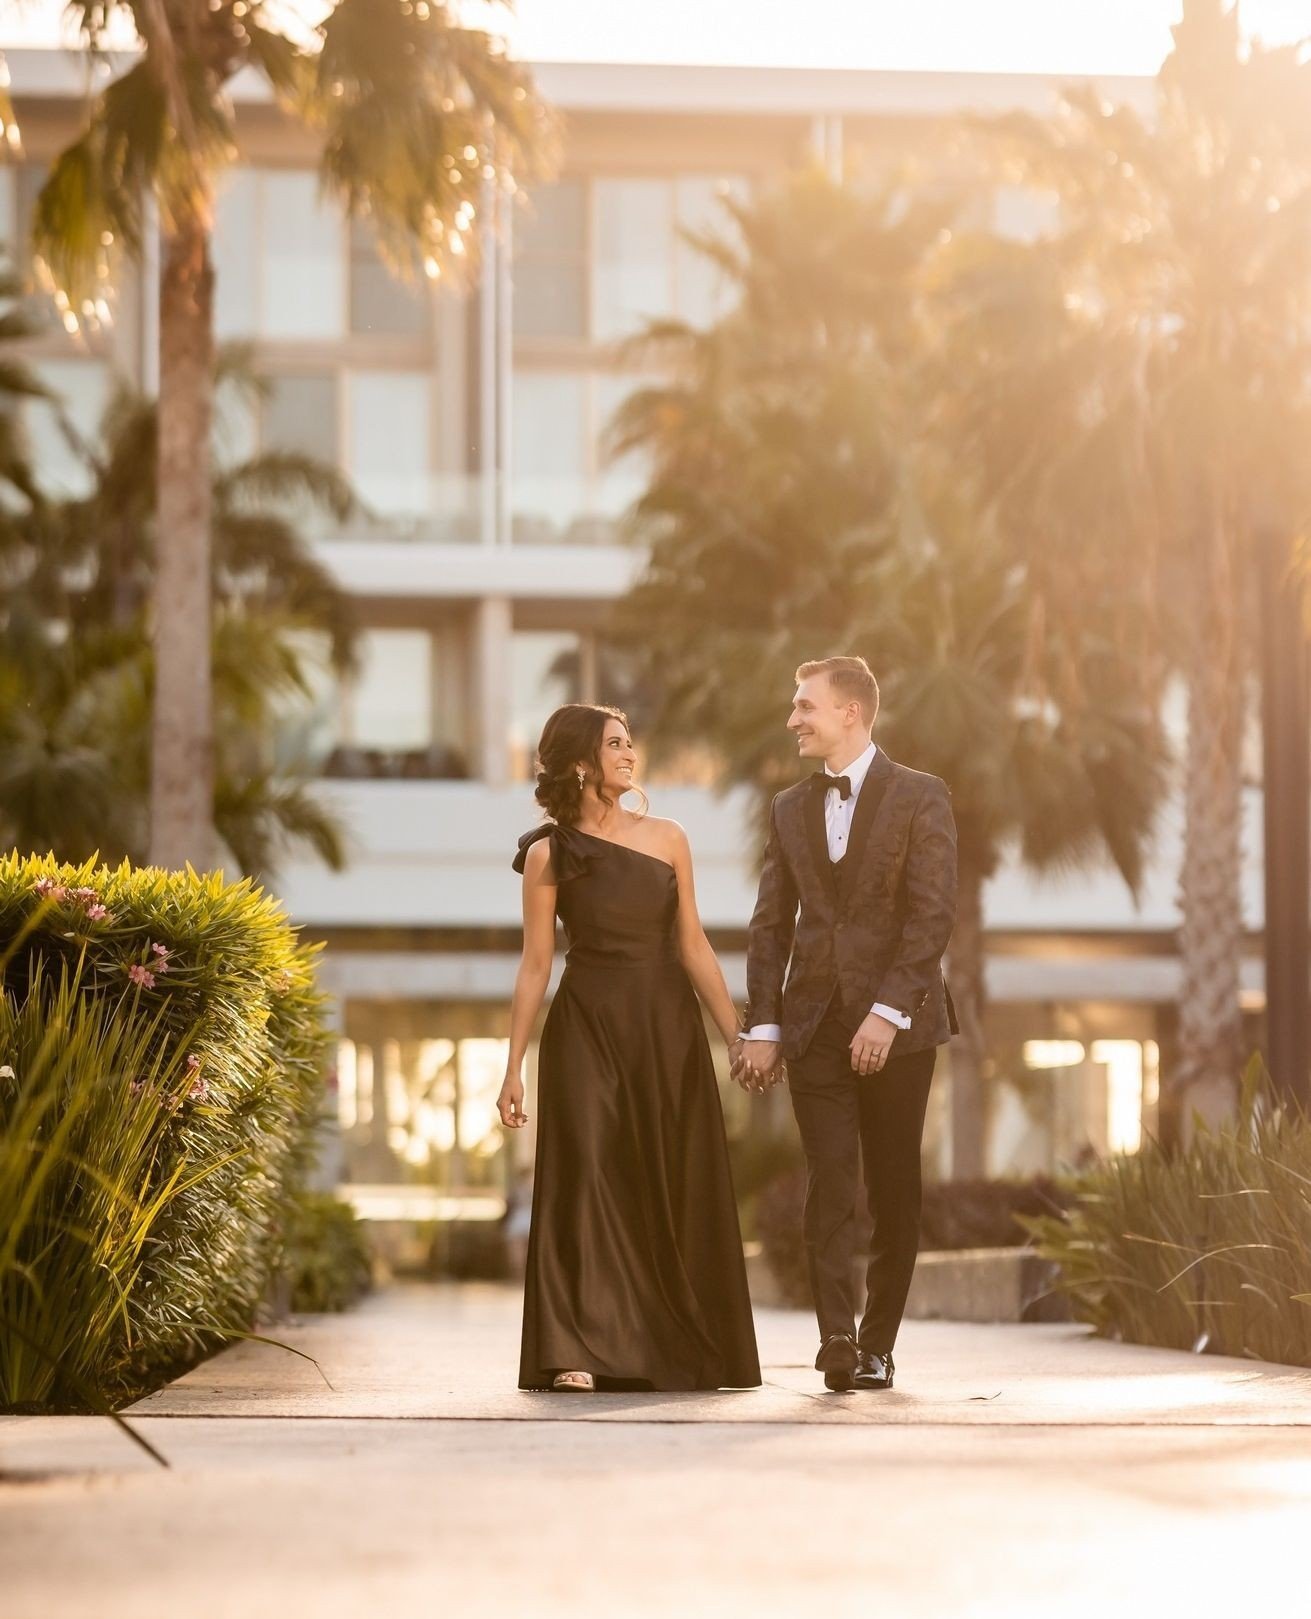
765, 1031
892, 1015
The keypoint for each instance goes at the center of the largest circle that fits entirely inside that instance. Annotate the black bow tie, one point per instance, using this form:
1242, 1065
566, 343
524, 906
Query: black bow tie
823, 781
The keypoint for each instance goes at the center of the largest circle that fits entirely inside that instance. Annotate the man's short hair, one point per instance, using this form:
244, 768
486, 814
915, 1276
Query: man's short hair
851, 679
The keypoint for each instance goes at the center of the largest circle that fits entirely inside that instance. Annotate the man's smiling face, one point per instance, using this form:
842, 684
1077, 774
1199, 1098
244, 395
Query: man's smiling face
822, 722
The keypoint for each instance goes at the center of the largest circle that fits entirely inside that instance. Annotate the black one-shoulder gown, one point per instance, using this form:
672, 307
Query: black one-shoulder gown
635, 1269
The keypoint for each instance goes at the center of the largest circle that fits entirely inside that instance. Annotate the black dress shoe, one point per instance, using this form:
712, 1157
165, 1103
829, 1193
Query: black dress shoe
873, 1371
837, 1359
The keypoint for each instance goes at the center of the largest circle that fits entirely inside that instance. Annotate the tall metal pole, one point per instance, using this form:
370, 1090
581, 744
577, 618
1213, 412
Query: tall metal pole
1286, 750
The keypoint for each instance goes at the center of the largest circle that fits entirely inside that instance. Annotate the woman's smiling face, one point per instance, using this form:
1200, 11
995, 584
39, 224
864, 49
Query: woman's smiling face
618, 759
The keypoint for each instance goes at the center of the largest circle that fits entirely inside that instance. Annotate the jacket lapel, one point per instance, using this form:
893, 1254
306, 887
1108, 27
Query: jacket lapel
871, 796
817, 837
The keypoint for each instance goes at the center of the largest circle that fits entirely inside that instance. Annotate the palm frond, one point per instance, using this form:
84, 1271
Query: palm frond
417, 113
282, 476
261, 818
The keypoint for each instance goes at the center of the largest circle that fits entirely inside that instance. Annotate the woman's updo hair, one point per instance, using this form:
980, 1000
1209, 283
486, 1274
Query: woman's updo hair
571, 736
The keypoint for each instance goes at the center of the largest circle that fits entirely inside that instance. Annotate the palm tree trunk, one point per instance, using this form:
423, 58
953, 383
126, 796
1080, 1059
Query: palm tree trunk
1211, 935
182, 770
968, 1051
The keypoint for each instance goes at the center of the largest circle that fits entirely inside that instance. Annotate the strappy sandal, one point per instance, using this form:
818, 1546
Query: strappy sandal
574, 1383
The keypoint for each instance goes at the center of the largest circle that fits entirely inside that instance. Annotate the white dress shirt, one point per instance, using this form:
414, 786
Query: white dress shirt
839, 813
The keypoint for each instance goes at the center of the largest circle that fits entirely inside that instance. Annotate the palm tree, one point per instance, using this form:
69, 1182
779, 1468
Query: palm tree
417, 115
810, 494
76, 670
1187, 239
1061, 772
779, 443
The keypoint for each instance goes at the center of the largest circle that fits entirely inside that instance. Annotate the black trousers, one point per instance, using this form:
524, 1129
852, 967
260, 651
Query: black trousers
844, 1118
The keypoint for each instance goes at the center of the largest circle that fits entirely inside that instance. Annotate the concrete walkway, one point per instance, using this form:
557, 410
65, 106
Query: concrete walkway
1017, 1471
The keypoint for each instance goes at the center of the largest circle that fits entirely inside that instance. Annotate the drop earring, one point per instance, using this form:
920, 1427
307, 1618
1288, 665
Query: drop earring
582, 780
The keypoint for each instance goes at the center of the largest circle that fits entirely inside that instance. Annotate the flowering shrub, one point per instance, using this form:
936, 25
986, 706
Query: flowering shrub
162, 1050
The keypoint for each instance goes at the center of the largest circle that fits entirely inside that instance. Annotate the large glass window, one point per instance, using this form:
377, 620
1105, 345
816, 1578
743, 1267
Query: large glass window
1072, 1082
235, 251
633, 272
390, 442
550, 250
380, 304
549, 436
303, 290
596, 259
299, 414
403, 713
416, 1104
564, 489
279, 257
619, 479
384, 444
19, 185
82, 390
544, 672
390, 701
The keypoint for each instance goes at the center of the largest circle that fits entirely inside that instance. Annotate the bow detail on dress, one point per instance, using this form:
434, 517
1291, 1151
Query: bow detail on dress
570, 857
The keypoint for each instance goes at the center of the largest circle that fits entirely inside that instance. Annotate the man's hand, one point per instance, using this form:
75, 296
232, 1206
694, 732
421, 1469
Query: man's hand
757, 1065
871, 1044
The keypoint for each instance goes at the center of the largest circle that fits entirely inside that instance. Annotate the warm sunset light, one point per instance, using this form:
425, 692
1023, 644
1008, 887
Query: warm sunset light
929, 36
655, 808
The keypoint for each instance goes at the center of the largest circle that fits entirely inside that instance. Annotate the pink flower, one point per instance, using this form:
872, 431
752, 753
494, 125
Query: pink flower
97, 913
193, 1062
141, 975
86, 895
161, 958
199, 1091
48, 888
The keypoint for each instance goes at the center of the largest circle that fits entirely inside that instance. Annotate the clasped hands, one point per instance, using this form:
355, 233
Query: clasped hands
757, 1065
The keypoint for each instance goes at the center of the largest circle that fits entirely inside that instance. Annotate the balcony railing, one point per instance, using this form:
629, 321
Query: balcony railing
438, 762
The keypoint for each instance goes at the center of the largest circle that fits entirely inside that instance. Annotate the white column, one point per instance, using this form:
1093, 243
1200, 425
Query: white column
489, 274
504, 361
493, 628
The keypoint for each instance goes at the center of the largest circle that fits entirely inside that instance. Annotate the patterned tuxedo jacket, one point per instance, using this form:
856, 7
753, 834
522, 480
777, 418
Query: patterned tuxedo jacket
872, 929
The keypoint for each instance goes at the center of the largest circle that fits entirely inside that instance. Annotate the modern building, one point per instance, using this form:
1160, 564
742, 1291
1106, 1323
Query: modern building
471, 425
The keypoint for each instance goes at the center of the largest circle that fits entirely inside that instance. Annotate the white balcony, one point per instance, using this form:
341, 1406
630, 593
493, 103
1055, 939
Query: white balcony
437, 855
407, 569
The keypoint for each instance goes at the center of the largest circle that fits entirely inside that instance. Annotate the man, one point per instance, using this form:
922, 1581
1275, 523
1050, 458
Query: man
858, 890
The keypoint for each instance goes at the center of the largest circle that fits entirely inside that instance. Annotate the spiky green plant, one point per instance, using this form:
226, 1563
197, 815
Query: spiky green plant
162, 1049
1208, 1248
327, 1261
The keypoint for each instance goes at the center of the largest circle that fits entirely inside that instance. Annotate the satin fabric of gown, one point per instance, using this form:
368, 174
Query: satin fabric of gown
635, 1270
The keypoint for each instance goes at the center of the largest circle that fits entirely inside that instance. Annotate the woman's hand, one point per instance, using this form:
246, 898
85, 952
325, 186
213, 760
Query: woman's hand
509, 1104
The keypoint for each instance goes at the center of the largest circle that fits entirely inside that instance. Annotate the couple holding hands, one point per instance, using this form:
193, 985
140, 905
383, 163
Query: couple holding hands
635, 1277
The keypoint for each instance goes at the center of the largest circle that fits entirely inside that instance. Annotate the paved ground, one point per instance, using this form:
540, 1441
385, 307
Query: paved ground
1016, 1471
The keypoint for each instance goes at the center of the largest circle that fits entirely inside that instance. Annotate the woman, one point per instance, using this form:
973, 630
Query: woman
635, 1276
